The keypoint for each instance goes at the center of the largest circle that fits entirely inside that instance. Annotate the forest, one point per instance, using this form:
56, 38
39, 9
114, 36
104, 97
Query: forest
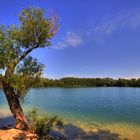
88, 82
85, 82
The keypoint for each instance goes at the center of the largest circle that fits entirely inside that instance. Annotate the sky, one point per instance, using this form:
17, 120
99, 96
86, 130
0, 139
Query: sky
97, 38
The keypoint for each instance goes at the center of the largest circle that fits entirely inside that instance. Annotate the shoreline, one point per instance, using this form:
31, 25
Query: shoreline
80, 129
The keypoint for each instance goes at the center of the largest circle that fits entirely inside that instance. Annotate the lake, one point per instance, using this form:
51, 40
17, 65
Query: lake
109, 108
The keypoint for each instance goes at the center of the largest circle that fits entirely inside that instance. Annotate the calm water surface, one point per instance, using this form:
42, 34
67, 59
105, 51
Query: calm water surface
88, 105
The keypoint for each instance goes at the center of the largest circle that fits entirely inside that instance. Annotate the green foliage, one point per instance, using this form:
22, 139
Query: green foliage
26, 75
30, 67
34, 29
21, 71
19, 83
42, 125
88, 82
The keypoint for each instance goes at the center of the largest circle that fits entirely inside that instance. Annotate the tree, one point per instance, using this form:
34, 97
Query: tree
19, 70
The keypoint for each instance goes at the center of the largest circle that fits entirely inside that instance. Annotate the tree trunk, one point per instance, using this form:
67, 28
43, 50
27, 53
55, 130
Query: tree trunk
15, 107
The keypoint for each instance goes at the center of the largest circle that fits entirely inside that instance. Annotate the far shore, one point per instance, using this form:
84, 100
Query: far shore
76, 82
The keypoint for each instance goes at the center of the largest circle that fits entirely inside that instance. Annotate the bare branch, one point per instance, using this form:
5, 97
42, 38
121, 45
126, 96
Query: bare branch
54, 20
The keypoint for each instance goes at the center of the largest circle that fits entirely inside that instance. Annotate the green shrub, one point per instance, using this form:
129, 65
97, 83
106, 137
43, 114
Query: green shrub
42, 124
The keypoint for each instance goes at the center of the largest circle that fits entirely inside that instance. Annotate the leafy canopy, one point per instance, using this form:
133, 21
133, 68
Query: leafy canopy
16, 42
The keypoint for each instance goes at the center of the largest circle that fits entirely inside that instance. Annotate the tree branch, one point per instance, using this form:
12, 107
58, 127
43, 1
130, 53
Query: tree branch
25, 54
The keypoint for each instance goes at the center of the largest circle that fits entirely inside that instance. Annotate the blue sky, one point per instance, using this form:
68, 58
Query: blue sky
97, 38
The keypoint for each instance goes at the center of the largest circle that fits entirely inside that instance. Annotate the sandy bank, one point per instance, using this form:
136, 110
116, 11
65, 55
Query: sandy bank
14, 134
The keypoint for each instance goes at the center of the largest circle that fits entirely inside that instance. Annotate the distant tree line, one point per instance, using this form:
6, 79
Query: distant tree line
87, 82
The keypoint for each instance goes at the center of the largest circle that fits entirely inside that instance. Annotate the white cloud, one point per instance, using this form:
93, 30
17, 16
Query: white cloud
69, 40
107, 26
104, 28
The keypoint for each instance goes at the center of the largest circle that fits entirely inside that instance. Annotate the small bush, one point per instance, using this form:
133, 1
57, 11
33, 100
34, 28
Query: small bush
42, 124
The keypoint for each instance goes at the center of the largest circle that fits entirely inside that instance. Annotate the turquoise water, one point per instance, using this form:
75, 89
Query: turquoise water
102, 105
116, 109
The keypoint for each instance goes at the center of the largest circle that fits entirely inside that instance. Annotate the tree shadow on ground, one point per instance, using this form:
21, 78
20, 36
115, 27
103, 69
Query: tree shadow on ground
70, 132
6, 121
73, 132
